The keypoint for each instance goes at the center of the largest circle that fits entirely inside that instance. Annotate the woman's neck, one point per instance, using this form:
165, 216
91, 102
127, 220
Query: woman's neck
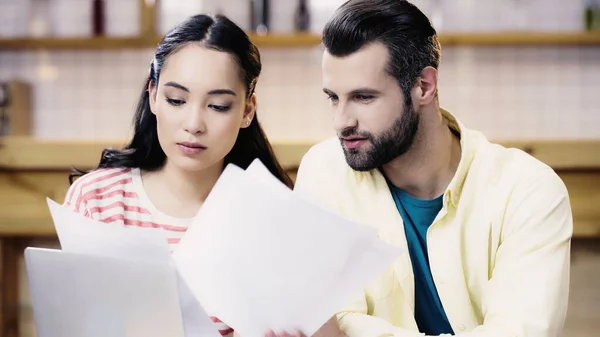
180, 193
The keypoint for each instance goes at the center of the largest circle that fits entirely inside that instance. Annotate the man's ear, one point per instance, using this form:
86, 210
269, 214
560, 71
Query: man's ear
426, 86
152, 96
249, 112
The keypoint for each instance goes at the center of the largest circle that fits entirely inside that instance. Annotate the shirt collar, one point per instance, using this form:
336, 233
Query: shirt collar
467, 151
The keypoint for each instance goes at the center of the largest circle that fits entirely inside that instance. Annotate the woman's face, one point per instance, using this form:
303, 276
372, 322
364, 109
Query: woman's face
200, 105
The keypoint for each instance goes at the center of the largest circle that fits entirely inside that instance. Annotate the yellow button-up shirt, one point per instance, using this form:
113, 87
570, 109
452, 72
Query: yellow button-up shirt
499, 250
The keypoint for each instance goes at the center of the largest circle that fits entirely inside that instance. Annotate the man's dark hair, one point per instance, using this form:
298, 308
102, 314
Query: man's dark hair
406, 32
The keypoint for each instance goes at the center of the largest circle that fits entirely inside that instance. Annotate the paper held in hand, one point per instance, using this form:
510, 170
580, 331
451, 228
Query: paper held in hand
260, 257
110, 280
257, 256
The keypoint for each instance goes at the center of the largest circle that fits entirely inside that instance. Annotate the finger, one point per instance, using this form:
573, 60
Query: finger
298, 333
270, 333
283, 333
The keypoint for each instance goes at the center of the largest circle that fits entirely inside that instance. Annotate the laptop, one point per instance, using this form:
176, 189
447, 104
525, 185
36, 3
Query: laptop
84, 295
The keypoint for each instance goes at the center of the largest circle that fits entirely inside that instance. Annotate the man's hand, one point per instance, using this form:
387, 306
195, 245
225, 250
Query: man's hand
329, 329
296, 333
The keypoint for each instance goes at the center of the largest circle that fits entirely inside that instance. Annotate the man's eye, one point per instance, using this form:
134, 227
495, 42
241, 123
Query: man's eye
364, 97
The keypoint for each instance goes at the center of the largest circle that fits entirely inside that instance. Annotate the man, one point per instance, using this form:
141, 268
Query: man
486, 229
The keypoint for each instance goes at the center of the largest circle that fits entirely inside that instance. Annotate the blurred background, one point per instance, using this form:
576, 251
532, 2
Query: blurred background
524, 72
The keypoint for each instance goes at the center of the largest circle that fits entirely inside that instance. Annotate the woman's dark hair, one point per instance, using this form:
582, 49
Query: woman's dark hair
214, 32
406, 32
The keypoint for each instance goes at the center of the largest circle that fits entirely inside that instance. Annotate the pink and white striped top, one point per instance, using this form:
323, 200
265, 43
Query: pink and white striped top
117, 195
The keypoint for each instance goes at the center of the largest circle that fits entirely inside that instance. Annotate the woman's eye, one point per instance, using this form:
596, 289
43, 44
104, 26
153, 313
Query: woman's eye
220, 108
175, 102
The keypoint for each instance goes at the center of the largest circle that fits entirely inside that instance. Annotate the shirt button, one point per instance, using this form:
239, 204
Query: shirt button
462, 327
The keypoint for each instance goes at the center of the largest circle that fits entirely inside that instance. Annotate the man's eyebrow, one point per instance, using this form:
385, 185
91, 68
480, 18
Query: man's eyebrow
328, 92
364, 91
359, 91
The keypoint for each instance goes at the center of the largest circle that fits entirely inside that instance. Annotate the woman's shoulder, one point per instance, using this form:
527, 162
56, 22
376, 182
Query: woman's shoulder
97, 184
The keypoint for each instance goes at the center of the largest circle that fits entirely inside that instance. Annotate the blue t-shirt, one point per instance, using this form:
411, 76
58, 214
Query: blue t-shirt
418, 215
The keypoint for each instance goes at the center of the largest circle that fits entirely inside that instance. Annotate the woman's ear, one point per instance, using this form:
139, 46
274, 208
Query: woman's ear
249, 112
152, 96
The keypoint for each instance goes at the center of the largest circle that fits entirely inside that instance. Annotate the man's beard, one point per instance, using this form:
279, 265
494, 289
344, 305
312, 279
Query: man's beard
390, 144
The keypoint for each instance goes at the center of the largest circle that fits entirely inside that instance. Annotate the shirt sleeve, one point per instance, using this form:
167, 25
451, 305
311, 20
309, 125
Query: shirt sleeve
529, 288
75, 199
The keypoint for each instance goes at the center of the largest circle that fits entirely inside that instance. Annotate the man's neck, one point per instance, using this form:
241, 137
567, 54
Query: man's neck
428, 167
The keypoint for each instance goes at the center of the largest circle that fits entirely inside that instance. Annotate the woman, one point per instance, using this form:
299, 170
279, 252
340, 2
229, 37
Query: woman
196, 114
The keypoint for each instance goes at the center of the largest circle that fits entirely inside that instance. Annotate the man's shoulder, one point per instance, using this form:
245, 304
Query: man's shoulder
510, 159
323, 169
325, 154
527, 190
494, 162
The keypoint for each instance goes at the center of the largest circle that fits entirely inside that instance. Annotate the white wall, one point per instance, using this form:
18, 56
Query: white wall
532, 92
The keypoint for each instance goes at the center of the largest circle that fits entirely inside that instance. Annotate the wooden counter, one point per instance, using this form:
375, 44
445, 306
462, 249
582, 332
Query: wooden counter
32, 170
24, 153
29, 154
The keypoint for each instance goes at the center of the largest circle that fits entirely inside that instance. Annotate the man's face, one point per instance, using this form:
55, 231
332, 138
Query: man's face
370, 115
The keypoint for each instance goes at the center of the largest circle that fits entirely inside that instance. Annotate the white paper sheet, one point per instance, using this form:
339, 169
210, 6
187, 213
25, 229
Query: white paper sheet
258, 171
85, 236
260, 258
196, 322
80, 234
92, 295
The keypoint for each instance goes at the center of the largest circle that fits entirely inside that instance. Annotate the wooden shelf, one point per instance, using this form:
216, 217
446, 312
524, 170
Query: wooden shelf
92, 43
521, 39
308, 40
103, 43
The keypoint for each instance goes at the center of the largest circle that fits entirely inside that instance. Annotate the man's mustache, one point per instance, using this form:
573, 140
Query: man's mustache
355, 133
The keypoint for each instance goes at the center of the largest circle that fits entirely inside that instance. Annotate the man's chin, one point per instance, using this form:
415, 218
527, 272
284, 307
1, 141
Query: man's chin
358, 162
358, 167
